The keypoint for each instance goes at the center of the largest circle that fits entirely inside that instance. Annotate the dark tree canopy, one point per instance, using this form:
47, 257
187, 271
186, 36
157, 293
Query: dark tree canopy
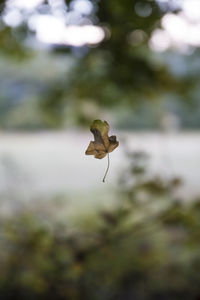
121, 70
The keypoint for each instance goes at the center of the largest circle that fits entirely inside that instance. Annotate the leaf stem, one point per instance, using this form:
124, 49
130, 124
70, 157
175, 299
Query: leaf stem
107, 167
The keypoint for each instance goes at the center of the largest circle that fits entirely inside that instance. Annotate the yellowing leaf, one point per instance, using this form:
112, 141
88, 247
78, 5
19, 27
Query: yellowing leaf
102, 144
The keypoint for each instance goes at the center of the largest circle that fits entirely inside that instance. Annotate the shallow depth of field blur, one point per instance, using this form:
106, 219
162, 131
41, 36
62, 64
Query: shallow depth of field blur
64, 234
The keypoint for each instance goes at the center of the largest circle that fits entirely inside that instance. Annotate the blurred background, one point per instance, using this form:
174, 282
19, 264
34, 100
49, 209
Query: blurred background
64, 234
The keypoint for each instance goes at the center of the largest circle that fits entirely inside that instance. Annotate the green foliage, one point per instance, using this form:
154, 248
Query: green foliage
145, 247
11, 43
120, 71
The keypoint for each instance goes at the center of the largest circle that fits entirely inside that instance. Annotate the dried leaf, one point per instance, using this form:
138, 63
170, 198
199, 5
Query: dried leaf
102, 144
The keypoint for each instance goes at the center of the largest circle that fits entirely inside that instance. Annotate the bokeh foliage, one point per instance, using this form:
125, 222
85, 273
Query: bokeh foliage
145, 247
122, 71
